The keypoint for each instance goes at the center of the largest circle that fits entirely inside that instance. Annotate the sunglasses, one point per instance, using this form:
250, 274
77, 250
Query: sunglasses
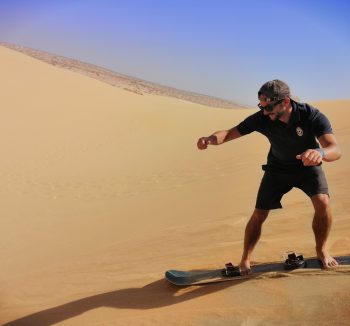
269, 107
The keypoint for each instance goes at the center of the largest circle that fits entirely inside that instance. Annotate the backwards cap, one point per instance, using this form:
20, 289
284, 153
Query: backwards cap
274, 90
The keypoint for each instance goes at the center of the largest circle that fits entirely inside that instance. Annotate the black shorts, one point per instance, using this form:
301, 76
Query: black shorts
274, 185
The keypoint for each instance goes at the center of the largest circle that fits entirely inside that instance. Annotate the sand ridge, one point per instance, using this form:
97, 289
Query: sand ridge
128, 83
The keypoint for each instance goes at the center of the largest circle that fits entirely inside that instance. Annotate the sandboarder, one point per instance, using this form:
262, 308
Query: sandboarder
294, 160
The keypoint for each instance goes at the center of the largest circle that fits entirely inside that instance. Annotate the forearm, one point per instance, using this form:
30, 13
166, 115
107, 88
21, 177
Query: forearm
330, 147
223, 136
332, 153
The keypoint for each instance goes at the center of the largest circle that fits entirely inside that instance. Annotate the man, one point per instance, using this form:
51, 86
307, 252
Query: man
294, 160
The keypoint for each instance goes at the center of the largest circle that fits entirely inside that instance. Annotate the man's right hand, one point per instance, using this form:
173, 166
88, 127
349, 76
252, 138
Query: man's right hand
218, 138
203, 142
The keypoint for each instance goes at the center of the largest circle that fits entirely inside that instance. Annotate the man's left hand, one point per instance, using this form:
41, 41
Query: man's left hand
310, 157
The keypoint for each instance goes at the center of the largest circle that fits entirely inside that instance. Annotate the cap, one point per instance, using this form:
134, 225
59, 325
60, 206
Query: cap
274, 90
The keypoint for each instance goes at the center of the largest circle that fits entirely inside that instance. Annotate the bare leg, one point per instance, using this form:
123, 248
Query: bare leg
321, 226
251, 237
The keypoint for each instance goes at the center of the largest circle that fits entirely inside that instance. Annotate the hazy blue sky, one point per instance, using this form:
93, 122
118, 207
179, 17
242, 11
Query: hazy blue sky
219, 47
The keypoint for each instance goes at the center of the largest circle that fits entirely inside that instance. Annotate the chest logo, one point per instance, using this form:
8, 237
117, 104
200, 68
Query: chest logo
299, 131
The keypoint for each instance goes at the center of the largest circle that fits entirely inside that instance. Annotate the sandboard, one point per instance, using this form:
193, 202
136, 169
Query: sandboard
197, 277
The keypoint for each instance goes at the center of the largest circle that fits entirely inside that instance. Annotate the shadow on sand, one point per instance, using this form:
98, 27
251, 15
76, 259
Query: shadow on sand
154, 295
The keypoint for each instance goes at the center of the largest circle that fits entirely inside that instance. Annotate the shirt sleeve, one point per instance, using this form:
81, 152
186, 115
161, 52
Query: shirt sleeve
250, 124
321, 124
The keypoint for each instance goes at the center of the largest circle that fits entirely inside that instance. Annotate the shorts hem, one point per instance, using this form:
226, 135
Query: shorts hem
319, 193
269, 208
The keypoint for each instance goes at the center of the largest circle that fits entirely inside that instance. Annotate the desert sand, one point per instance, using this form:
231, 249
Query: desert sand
102, 190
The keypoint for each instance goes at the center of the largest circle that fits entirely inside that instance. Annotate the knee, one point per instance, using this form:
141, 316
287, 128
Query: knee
259, 215
321, 202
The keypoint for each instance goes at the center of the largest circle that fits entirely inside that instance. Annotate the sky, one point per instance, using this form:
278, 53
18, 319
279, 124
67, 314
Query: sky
222, 48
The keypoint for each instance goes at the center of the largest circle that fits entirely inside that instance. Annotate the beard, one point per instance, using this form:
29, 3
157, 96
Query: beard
277, 115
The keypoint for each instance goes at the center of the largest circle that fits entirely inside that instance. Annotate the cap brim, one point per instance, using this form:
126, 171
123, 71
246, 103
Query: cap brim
294, 98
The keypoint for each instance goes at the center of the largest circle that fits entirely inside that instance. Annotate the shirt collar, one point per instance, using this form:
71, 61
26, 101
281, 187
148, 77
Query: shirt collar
295, 117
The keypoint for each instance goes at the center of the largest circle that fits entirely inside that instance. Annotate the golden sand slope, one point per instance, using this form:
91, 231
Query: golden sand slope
103, 190
125, 82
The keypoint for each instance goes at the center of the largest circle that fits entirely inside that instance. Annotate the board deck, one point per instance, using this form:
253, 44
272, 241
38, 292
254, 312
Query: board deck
196, 277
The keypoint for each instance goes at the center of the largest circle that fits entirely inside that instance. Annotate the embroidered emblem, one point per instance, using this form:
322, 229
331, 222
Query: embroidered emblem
299, 131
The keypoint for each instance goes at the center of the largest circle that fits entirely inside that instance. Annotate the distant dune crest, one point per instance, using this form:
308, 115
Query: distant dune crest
125, 82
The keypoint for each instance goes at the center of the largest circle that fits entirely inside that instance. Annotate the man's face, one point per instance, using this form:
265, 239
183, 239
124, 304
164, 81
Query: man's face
274, 109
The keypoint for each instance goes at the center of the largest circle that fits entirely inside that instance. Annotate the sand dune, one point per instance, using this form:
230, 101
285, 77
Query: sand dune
102, 190
131, 84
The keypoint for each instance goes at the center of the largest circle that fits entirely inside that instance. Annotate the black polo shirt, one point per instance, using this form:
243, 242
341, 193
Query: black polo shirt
288, 140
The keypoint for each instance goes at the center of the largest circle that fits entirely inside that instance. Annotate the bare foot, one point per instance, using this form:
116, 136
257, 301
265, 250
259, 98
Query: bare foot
244, 267
327, 260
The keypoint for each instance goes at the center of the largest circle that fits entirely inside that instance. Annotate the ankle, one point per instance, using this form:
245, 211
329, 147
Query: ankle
321, 250
245, 257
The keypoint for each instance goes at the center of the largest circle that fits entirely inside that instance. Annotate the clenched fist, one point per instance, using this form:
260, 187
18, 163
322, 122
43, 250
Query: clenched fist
203, 142
311, 157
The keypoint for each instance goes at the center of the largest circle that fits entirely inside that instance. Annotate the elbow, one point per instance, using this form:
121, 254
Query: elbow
334, 156
338, 153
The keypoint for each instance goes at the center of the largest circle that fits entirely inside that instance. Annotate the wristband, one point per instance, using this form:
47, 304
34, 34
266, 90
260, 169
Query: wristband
321, 151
